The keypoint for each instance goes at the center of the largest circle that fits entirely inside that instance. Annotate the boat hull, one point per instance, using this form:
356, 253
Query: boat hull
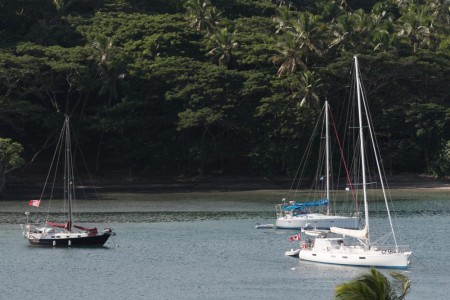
97, 240
264, 226
316, 221
293, 253
358, 258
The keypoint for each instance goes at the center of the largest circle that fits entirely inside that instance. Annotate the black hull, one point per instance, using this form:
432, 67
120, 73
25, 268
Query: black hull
96, 241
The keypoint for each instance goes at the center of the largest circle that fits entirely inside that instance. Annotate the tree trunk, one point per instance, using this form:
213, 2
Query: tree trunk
202, 156
98, 152
2, 179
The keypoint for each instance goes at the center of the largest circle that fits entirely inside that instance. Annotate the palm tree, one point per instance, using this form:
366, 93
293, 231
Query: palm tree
62, 7
285, 3
10, 158
59, 6
289, 55
330, 10
301, 38
310, 84
283, 19
201, 15
111, 67
382, 39
374, 285
224, 42
340, 31
111, 71
416, 25
363, 24
308, 29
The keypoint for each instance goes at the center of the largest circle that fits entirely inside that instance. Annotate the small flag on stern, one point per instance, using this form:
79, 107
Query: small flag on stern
295, 237
35, 203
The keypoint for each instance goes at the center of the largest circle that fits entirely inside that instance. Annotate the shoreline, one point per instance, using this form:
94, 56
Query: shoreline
214, 183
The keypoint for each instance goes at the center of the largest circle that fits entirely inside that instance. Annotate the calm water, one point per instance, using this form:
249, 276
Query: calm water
205, 246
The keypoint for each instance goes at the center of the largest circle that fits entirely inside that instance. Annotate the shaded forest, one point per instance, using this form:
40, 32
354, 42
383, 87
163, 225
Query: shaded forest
190, 87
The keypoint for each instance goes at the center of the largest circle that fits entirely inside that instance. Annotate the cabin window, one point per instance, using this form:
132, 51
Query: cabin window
53, 236
344, 256
79, 236
314, 255
362, 257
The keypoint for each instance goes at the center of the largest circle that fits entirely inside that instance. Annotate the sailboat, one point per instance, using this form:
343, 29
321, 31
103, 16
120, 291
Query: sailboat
298, 215
355, 247
64, 234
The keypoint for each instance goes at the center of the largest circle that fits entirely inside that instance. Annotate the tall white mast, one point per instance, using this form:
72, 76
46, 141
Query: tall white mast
361, 140
68, 176
327, 155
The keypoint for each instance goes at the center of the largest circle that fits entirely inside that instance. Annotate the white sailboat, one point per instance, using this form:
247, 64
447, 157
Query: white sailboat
64, 234
355, 247
297, 215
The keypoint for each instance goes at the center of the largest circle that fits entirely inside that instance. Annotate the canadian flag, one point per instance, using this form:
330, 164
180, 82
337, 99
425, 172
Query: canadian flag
35, 203
295, 237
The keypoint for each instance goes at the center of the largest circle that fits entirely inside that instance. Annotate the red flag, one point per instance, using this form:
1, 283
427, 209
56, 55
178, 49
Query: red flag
295, 237
35, 203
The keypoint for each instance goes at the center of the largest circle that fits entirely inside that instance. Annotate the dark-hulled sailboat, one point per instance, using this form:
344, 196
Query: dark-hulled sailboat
64, 234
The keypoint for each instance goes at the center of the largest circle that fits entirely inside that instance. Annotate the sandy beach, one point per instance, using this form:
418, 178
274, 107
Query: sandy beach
23, 187
242, 183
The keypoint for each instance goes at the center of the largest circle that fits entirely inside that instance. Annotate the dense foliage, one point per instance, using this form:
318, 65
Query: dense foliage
186, 87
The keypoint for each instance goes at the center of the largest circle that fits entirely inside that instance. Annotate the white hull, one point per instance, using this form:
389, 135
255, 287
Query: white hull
357, 250
329, 252
292, 253
264, 226
316, 221
33, 232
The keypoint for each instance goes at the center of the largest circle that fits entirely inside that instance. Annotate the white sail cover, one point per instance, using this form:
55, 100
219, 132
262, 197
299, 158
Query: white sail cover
315, 233
359, 234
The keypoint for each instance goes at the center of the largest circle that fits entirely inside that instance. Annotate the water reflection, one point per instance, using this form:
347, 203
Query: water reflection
140, 217
180, 207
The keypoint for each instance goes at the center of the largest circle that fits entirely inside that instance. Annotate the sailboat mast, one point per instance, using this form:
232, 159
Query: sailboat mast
68, 172
361, 141
327, 155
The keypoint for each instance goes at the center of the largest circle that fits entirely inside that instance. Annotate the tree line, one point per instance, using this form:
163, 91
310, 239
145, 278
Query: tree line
194, 86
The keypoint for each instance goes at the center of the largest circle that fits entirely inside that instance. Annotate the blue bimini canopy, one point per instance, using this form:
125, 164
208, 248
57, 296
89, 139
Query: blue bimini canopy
301, 205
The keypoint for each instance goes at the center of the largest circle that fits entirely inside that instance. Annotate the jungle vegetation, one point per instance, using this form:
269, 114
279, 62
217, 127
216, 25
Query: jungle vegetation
231, 86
